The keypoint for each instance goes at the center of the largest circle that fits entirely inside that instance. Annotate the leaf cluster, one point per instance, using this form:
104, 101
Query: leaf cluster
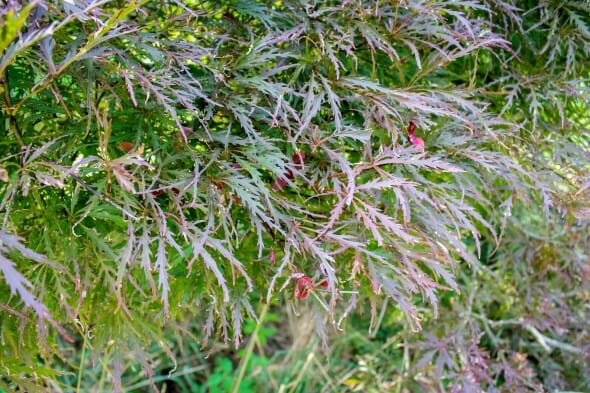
168, 167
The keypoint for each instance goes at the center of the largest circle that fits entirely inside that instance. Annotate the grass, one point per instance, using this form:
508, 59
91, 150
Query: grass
286, 356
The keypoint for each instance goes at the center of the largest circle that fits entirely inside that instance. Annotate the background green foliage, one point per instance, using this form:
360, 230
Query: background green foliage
177, 175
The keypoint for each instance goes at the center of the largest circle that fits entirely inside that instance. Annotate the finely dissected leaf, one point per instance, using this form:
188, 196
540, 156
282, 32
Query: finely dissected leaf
161, 265
167, 166
12, 22
21, 286
373, 218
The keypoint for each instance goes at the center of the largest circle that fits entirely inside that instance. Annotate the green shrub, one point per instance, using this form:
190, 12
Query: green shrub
170, 168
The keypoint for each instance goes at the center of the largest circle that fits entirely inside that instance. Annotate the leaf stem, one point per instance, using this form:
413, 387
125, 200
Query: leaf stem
82, 356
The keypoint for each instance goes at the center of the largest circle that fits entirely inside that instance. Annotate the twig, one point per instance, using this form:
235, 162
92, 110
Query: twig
547, 342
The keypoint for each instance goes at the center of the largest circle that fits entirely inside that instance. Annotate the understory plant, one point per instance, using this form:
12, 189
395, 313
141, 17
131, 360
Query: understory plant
169, 169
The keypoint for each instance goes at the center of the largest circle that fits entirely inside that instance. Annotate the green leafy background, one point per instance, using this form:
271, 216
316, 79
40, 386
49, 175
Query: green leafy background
173, 173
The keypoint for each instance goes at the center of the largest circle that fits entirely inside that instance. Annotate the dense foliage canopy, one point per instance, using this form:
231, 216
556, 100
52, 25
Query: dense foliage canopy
170, 168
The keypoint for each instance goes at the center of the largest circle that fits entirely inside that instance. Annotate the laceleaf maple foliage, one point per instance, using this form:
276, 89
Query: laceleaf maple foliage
172, 165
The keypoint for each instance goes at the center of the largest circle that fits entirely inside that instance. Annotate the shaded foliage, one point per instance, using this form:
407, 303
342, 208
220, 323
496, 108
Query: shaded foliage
167, 167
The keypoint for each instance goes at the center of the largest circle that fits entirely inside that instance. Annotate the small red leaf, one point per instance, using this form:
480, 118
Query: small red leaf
279, 184
302, 287
411, 128
417, 141
301, 293
299, 158
126, 146
414, 140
